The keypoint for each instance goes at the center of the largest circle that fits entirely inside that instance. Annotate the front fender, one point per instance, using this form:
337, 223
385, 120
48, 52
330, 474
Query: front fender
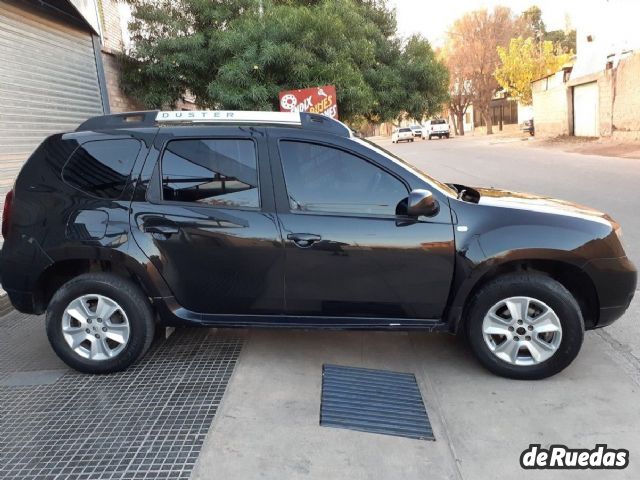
490, 239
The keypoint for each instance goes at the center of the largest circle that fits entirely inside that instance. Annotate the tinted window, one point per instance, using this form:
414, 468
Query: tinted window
213, 172
102, 168
405, 129
438, 122
325, 179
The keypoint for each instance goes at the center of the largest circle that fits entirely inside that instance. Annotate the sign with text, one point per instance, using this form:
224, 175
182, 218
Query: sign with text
320, 100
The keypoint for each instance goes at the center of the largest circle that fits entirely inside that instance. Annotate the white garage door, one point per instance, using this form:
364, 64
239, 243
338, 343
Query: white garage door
48, 83
585, 110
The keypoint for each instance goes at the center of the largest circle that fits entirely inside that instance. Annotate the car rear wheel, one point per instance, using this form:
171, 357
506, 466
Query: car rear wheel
525, 326
99, 323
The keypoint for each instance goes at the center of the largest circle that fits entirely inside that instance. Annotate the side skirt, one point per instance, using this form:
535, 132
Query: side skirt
174, 315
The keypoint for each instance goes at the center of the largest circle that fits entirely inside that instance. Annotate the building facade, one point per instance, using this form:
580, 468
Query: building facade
599, 96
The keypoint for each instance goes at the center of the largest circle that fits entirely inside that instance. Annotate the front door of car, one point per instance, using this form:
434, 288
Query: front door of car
348, 250
208, 222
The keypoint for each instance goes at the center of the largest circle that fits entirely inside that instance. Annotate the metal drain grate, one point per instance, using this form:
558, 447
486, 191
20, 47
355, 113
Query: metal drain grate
147, 422
375, 401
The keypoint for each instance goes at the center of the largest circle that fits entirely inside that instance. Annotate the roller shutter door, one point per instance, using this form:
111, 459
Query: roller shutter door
585, 110
48, 84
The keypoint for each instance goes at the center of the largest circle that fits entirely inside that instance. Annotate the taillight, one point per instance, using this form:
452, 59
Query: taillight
6, 214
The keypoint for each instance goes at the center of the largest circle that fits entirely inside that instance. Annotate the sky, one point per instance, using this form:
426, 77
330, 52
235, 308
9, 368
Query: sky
432, 18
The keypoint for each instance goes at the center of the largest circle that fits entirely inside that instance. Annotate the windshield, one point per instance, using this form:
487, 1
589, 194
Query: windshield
438, 122
405, 129
441, 186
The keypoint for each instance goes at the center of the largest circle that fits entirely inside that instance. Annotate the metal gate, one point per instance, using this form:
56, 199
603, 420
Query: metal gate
48, 83
585, 110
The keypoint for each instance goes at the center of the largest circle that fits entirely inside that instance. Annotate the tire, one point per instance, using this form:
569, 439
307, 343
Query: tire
447, 135
133, 314
542, 292
412, 140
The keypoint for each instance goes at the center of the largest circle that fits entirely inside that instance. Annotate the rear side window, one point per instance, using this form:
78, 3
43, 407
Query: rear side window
102, 168
218, 172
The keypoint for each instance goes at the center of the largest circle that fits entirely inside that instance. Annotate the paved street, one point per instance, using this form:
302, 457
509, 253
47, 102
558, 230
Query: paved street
268, 423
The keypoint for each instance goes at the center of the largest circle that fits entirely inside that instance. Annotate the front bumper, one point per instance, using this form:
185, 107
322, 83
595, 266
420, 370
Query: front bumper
616, 280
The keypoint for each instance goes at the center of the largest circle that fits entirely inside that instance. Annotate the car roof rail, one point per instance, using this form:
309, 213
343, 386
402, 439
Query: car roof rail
152, 118
120, 120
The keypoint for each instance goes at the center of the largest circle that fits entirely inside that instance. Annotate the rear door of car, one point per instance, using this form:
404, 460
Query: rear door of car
208, 223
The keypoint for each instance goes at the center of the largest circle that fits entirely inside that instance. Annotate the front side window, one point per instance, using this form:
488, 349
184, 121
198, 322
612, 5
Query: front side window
102, 168
218, 172
326, 179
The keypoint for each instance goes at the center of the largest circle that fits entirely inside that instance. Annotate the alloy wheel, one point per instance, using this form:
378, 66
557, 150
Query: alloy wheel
522, 331
95, 327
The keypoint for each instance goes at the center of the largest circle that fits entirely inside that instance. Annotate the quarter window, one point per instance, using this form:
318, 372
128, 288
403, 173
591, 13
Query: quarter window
102, 168
326, 179
219, 172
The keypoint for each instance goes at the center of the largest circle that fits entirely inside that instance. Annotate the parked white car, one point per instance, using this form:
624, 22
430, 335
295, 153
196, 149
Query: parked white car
402, 134
417, 130
436, 128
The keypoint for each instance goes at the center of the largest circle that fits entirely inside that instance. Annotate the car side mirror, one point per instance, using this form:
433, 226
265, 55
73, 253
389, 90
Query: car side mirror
422, 202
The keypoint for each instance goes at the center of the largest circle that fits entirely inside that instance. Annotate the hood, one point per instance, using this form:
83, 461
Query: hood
539, 203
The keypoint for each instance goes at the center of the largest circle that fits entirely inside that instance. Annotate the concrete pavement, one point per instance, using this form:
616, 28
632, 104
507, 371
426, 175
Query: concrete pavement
267, 426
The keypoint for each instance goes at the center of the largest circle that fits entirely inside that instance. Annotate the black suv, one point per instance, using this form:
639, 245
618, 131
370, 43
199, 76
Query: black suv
242, 219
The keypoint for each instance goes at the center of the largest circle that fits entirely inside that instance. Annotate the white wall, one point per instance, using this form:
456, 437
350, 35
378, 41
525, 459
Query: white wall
613, 27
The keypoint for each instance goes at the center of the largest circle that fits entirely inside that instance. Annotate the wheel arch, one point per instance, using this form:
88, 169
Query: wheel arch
61, 271
571, 276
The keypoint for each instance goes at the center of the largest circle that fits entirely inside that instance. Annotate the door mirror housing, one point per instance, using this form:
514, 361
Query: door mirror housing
422, 202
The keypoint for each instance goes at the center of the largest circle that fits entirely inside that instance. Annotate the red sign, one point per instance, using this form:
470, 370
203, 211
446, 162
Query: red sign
313, 100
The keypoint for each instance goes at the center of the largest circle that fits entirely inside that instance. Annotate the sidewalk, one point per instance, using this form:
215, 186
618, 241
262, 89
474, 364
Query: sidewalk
267, 425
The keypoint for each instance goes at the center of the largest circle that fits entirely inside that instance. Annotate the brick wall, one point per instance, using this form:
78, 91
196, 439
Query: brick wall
551, 106
112, 43
618, 102
118, 101
624, 91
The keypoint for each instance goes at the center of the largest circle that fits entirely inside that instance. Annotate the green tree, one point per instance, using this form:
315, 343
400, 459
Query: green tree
241, 54
563, 41
532, 19
524, 61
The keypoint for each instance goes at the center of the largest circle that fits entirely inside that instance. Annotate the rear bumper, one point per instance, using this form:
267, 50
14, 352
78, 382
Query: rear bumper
616, 280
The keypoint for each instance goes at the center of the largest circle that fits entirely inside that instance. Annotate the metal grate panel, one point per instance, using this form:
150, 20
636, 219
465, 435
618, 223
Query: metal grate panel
375, 401
147, 422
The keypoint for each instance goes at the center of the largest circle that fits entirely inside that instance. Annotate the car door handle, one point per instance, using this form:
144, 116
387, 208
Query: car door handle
164, 230
304, 240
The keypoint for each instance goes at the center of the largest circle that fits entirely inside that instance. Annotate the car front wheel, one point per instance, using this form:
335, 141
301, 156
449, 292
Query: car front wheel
524, 326
99, 323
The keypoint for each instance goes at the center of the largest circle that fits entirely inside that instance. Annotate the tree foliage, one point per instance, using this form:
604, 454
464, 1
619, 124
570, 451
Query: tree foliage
524, 61
563, 41
472, 44
239, 54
